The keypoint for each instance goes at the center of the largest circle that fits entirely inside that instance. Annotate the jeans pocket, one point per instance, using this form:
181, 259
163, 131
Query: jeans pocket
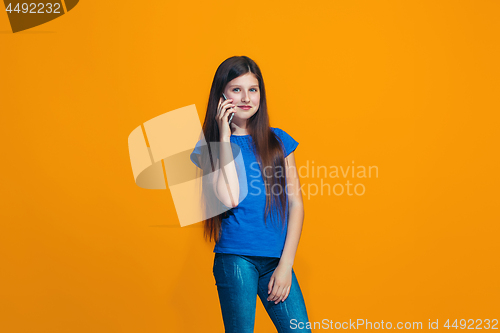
217, 266
221, 263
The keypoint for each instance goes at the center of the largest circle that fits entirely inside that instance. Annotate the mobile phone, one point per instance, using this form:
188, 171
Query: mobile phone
232, 114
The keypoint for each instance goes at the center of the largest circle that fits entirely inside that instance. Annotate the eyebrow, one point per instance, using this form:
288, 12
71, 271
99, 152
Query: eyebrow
237, 85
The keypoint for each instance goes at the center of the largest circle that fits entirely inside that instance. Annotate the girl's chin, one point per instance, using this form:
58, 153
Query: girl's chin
244, 115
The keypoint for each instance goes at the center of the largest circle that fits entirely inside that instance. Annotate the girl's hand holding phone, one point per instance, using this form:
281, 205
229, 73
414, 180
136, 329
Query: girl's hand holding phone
225, 111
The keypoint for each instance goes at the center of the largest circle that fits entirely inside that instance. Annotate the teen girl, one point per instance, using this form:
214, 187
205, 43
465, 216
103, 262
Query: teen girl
257, 238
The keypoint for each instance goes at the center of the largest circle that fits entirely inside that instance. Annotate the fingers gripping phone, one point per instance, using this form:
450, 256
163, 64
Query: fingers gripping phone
232, 114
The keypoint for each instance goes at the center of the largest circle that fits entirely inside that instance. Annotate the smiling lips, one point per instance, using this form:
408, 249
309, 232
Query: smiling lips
244, 107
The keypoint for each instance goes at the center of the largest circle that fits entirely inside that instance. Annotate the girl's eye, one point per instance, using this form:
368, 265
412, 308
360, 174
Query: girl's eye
237, 89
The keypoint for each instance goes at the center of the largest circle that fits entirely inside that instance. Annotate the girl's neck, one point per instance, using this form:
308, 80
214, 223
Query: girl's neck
238, 129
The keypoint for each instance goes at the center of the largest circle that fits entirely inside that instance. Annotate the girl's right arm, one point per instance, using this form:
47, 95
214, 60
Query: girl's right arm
226, 185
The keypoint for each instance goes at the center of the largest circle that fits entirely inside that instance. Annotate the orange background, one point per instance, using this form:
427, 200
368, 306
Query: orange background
410, 87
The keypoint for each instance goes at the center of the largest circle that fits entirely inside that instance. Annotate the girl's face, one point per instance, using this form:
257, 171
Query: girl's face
245, 92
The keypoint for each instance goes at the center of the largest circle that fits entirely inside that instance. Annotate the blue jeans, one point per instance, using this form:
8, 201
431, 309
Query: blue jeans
240, 279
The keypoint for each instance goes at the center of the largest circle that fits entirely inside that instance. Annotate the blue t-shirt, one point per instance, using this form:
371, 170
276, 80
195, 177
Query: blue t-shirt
243, 230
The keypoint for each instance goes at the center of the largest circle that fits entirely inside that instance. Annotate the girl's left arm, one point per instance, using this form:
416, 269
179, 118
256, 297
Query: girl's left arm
281, 279
295, 213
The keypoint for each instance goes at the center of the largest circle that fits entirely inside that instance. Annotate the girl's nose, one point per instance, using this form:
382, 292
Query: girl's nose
245, 98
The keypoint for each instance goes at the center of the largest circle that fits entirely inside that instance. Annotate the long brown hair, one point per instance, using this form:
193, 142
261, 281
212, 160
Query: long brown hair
269, 152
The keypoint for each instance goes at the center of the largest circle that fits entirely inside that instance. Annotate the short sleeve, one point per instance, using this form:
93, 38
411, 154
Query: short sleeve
288, 143
195, 155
